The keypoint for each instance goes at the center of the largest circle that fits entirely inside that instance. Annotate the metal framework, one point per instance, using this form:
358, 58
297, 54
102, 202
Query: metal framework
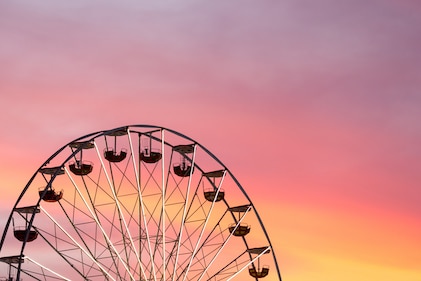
138, 202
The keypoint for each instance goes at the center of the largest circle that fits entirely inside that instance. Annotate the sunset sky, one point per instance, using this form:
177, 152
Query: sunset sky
315, 106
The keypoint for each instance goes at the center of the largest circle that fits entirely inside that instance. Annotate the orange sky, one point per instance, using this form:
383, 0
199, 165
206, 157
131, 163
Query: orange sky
313, 105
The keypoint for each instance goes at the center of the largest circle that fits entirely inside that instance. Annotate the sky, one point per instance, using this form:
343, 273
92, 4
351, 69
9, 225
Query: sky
313, 105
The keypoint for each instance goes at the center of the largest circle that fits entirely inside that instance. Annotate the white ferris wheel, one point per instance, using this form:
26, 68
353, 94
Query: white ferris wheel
138, 202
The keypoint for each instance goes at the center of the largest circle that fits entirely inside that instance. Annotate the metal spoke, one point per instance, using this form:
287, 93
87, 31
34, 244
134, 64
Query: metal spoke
77, 244
142, 210
120, 213
223, 245
107, 238
252, 261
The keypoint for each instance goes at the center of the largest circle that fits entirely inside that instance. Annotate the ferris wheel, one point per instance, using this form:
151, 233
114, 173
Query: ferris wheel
138, 202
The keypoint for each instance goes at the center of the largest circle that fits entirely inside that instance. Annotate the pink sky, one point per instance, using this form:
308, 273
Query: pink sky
313, 105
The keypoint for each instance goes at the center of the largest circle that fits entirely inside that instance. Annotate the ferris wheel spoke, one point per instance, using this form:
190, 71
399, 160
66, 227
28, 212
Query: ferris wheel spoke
199, 244
182, 223
113, 250
164, 187
213, 234
67, 261
28, 273
159, 209
75, 243
206, 245
142, 209
76, 229
231, 268
266, 250
46, 268
223, 245
125, 232
92, 215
